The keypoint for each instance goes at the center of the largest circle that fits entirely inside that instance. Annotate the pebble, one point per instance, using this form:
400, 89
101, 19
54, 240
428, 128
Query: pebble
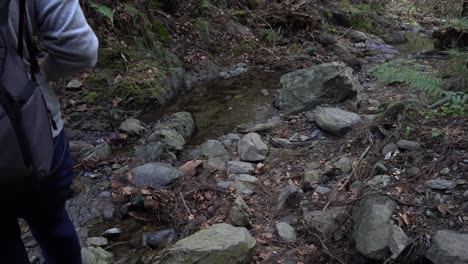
224, 184
97, 241
408, 145
286, 232
111, 233
390, 147
440, 184
265, 92
381, 168
105, 194
380, 179
445, 171
108, 213
74, 84
412, 171
322, 190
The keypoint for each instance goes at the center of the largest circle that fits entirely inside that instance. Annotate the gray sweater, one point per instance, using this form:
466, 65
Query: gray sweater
71, 43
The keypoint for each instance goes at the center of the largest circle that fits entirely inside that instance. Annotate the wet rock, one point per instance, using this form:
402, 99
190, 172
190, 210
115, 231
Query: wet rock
79, 148
440, 184
328, 221
398, 241
159, 239
154, 175
97, 241
216, 154
240, 214
390, 147
239, 167
408, 145
96, 255
334, 120
448, 247
372, 226
312, 176
183, 123
344, 164
170, 137
444, 172
221, 243
133, 127
379, 180
324, 83
287, 194
150, 152
111, 233
252, 148
357, 36
99, 153
286, 232
322, 190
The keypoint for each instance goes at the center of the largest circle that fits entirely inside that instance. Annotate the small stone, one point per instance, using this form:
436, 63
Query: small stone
97, 241
344, 164
408, 145
398, 241
390, 147
74, 84
225, 184
96, 255
356, 186
265, 92
286, 232
284, 195
444, 172
217, 155
335, 120
159, 239
154, 175
312, 176
412, 172
440, 184
108, 213
380, 179
99, 153
239, 167
111, 233
105, 194
322, 190
133, 127
381, 168
252, 148
240, 214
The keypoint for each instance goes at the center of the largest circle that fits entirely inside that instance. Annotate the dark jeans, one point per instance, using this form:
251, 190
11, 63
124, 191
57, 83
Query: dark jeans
44, 211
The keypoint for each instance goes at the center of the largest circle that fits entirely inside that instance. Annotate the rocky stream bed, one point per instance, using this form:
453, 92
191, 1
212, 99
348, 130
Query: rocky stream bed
306, 166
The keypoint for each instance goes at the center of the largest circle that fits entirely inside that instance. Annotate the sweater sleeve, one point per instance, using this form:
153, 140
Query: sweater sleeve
71, 43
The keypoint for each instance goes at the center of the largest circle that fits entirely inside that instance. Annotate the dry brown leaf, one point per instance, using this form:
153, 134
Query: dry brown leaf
145, 192
127, 190
190, 167
116, 101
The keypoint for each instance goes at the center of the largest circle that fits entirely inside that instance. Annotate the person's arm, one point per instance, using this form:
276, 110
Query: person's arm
72, 45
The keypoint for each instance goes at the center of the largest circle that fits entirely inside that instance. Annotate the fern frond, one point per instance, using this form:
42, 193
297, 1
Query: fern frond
103, 10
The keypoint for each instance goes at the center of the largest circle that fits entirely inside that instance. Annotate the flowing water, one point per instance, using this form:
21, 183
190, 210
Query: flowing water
417, 41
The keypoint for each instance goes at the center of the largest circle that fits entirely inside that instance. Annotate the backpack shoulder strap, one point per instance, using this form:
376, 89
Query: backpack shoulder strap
25, 35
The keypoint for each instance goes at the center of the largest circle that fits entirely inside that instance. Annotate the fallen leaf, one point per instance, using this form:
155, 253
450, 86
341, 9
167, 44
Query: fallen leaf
189, 168
127, 190
145, 192
116, 101
268, 235
406, 219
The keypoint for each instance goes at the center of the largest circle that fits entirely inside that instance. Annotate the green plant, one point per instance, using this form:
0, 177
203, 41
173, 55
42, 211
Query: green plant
459, 22
104, 11
419, 77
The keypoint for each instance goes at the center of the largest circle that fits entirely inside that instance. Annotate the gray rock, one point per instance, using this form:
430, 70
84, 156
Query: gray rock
99, 153
96, 255
344, 164
258, 128
233, 137
244, 183
112, 232
79, 148
150, 152
465, 194
240, 214
285, 194
97, 241
440, 184
244, 178
408, 145
252, 148
328, 221
286, 232
448, 247
108, 213
360, 45
225, 184
170, 137
390, 147
372, 226
381, 168
221, 243
133, 127
183, 123
74, 84
154, 175
312, 176
322, 190
444, 172
324, 83
239, 167
379, 180
159, 239
412, 172
334, 120
287, 144
398, 241
105, 194
357, 36
216, 154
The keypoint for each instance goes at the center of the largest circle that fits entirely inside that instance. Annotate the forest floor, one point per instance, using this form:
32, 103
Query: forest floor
104, 197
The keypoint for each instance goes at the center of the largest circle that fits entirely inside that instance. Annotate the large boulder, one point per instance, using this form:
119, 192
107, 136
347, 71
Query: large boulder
448, 247
154, 175
320, 84
373, 226
252, 148
334, 120
221, 243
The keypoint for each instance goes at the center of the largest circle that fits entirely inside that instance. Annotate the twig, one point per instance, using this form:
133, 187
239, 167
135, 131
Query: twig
186, 207
348, 178
325, 249
346, 32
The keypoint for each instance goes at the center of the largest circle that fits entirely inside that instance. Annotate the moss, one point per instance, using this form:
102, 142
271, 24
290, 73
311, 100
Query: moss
109, 58
91, 97
161, 31
244, 47
149, 91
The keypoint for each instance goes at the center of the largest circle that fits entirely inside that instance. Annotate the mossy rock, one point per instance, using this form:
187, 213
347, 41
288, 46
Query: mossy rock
142, 92
109, 58
159, 28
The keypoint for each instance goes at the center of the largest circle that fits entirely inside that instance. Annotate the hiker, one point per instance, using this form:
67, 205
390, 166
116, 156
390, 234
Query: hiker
36, 169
